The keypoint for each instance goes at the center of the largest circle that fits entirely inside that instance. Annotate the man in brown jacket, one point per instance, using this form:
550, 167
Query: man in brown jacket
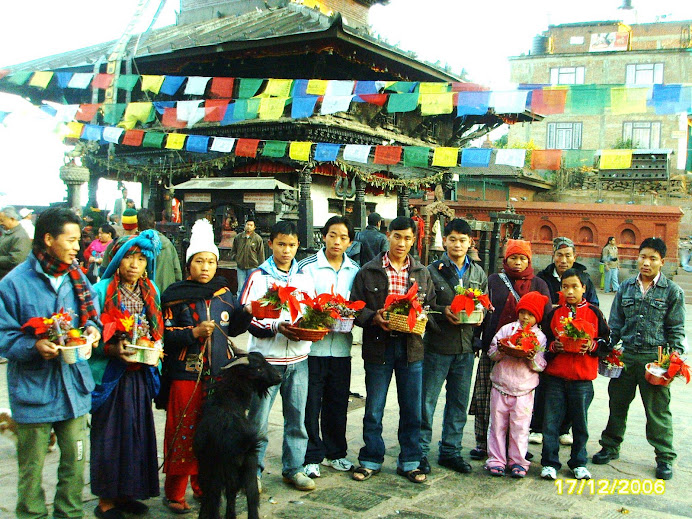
248, 251
15, 244
386, 352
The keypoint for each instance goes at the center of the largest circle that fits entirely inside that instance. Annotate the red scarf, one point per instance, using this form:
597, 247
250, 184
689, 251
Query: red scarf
55, 268
521, 281
151, 306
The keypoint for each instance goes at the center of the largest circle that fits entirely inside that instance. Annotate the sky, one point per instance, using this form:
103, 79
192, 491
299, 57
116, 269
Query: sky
475, 36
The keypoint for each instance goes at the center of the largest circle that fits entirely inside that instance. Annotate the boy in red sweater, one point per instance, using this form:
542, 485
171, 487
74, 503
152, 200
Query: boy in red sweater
569, 386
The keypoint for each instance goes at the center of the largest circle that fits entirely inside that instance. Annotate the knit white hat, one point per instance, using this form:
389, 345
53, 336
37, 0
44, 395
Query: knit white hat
202, 239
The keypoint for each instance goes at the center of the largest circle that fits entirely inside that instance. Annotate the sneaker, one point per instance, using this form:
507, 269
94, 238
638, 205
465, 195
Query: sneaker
566, 439
312, 470
536, 438
341, 464
300, 481
581, 473
549, 473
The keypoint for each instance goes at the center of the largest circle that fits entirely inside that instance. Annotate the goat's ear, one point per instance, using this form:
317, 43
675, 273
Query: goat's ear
238, 362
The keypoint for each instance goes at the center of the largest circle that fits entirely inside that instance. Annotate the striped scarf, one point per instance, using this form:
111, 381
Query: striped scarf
55, 268
152, 307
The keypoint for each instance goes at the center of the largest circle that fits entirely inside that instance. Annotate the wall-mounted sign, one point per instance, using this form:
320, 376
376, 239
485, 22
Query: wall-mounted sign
264, 202
608, 41
202, 198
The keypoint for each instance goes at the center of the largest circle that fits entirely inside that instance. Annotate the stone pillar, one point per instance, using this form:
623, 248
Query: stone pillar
402, 201
74, 176
359, 218
305, 215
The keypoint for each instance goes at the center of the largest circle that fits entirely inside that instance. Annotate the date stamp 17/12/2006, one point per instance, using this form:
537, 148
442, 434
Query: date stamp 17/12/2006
604, 487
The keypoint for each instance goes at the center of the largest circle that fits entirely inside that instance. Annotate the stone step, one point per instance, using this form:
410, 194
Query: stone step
684, 280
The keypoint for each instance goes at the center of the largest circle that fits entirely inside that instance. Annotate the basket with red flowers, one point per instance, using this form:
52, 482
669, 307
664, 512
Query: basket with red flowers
574, 333
346, 310
612, 365
470, 304
119, 323
317, 320
405, 313
277, 298
521, 344
74, 346
668, 366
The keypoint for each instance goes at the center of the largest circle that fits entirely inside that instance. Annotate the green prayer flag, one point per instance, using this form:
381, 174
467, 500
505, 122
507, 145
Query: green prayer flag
153, 140
587, 99
577, 158
21, 77
274, 149
249, 87
416, 156
402, 87
402, 102
112, 113
127, 81
244, 109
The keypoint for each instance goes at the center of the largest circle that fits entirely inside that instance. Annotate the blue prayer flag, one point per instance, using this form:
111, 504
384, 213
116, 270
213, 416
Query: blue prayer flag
63, 78
472, 103
197, 143
171, 84
303, 106
475, 157
325, 152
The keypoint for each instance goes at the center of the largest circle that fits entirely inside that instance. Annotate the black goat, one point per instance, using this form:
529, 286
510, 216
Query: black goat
226, 442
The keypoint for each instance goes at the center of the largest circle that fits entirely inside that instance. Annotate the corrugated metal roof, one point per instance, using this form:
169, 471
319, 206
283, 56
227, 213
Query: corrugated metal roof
234, 184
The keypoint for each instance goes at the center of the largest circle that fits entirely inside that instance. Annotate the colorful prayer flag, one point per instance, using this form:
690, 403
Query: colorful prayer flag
278, 88
402, 102
169, 86
316, 87
271, 108
303, 107
628, 100
80, 80
175, 141
197, 143
508, 102
222, 87
416, 156
196, 85
215, 109
334, 104
436, 104
511, 157
472, 103
246, 147
475, 157
73, 130
112, 134
300, 150
275, 149
102, 81
387, 154
546, 159
41, 79
549, 100
326, 152
616, 159
86, 112
249, 87
357, 152
153, 140
222, 144
445, 157
127, 81
133, 138
153, 83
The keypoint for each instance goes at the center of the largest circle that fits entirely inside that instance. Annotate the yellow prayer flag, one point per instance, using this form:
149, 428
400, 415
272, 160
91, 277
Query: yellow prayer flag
316, 87
616, 159
278, 88
436, 104
136, 112
152, 83
175, 141
41, 79
271, 107
311, 3
445, 157
300, 151
73, 130
433, 88
628, 100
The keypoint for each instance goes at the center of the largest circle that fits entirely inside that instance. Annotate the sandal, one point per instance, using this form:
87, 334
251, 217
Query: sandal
498, 472
177, 507
363, 474
412, 475
518, 471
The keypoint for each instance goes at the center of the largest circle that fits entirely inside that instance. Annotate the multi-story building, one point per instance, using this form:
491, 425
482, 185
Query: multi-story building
609, 53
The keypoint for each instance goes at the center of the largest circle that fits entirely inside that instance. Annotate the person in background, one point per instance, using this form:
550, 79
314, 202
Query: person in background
648, 313
15, 244
131, 204
611, 265
45, 392
93, 255
26, 221
129, 222
374, 241
119, 206
248, 252
168, 269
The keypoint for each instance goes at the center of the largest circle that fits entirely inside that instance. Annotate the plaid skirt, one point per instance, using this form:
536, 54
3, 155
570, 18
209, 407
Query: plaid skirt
480, 402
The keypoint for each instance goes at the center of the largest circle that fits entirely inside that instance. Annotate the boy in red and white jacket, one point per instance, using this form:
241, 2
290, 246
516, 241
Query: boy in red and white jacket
569, 386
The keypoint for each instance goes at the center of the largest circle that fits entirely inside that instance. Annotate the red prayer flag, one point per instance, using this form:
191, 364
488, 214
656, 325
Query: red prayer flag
546, 159
549, 101
87, 112
246, 147
387, 154
222, 87
133, 137
3, 72
375, 99
215, 109
169, 119
102, 81
468, 87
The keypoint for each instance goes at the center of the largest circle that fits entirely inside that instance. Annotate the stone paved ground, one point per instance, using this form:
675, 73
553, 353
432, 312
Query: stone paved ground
446, 494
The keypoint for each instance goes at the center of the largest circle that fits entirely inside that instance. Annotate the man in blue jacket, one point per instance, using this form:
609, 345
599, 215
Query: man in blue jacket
44, 391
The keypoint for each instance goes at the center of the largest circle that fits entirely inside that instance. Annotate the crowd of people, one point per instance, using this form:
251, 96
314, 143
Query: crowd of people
539, 398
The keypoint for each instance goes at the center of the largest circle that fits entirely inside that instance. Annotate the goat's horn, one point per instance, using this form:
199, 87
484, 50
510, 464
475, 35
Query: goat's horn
236, 351
237, 362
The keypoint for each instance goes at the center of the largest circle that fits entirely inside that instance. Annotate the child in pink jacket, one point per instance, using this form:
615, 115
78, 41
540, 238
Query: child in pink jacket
511, 397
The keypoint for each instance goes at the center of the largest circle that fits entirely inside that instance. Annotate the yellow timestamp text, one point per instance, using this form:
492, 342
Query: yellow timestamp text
602, 487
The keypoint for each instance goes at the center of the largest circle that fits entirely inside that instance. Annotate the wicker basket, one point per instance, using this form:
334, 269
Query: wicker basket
309, 334
506, 347
656, 375
145, 354
260, 311
610, 372
399, 323
572, 345
343, 325
80, 352
476, 316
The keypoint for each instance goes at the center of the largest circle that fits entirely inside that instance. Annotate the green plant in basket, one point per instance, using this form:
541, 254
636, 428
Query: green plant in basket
468, 299
317, 313
345, 308
281, 298
576, 328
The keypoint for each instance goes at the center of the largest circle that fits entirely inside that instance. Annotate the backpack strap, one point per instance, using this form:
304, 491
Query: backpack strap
508, 284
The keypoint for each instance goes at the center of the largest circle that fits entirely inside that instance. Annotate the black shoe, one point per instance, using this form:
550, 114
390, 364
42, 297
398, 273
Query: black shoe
478, 454
664, 470
424, 465
456, 463
604, 456
111, 513
528, 456
132, 507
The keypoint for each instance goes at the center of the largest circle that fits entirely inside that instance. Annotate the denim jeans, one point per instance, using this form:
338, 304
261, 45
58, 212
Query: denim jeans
242, 274
409, 381
611, 283
571, 397
294, 394
539, 410
457, 370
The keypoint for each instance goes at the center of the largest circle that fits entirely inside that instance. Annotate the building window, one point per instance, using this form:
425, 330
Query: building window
545, 233
567, 76
627, 237
564, 136
644, 135
585, 235
644, 74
